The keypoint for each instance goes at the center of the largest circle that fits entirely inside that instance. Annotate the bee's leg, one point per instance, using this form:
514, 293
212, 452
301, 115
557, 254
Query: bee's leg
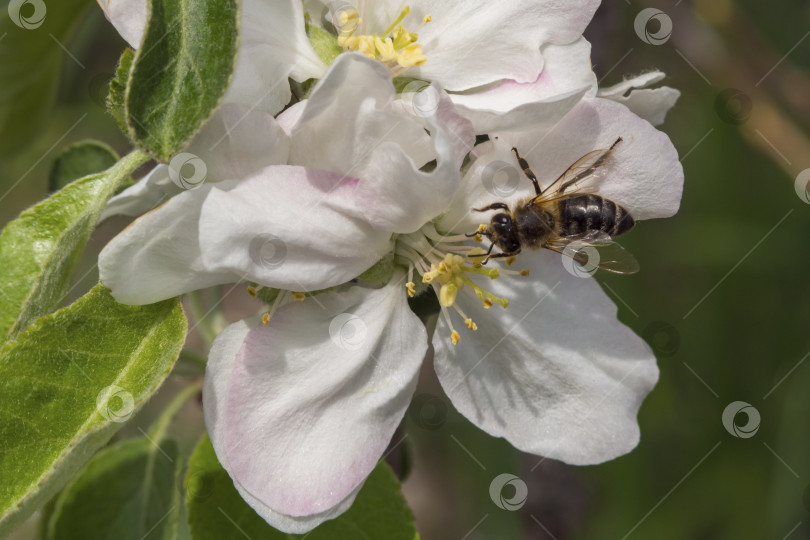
484, 254
528, 171
476, 233
493, 206
500, 255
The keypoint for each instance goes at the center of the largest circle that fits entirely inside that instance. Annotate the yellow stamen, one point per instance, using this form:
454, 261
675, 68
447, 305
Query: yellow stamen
524, 273
395, 46
298, 296
448, 294
411, 288
427, 19
510, 261
265, 319
487, 303
471, 325
454, 337
251, 291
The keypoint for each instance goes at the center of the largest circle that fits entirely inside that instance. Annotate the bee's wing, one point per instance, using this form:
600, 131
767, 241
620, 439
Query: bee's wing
595, 250
585, 168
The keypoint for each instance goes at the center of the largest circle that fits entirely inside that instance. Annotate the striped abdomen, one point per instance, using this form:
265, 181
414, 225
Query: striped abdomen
581, 214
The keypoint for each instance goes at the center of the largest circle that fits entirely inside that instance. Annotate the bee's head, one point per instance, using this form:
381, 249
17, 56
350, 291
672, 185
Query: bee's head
502, 232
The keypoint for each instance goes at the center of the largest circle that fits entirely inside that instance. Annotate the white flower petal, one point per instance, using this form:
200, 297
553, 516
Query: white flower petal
129, 17
286, 227
472, 43
509, 105
273, 46
149, 192
555, 373
217, 380
234, 143
158, 256
291, 228
312, 400
651, 104
354, 100
643, 174
395, 194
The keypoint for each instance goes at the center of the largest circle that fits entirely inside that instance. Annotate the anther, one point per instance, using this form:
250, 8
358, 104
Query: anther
298, 296
411, 288
251, 291
454, 337
471, 325
265, 319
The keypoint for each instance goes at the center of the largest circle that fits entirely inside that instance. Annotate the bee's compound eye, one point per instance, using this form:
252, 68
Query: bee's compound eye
501, 219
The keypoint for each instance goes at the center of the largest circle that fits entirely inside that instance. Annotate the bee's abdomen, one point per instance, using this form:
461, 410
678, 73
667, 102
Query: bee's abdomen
583, 214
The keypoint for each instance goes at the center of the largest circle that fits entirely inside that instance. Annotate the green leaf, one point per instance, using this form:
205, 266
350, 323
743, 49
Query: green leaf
40, 249
79, 160
116, 98
217, 512
68, 383
128, 491
30, 65
180, 72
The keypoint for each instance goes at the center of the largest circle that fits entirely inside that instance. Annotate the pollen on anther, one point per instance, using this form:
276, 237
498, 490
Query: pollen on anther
471, 325
510, 261
427, 19
411, 288
299, 296
454, 337
265, 319
251, 291
487, 303
524, 273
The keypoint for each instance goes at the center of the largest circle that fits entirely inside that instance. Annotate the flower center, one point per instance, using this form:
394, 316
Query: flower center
395, 47
447, 264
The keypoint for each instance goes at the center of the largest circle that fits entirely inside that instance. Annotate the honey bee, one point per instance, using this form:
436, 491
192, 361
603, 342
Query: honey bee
564, 218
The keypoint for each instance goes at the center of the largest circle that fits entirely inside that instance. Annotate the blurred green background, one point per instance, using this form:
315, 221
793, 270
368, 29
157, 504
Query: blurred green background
722, 295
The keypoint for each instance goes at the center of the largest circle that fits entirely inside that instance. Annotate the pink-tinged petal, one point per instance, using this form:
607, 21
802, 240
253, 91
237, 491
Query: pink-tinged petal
291, 228
509, 105
217, 380
301, 412
286, 227
472, 43
555, 373
651, 104
644, 174
234, 143
129, 17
